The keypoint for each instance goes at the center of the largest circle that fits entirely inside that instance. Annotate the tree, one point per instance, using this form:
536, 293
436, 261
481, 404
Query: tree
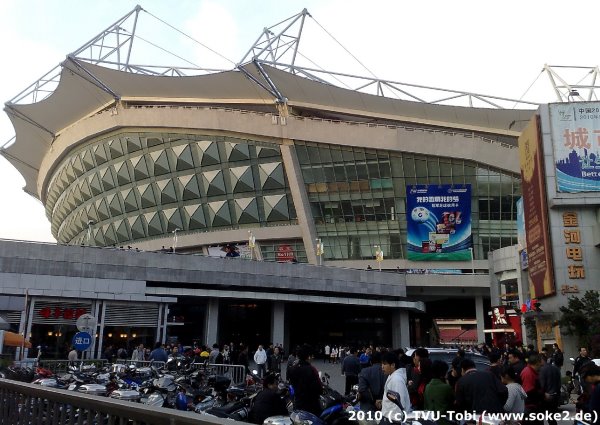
581, 317
530, 328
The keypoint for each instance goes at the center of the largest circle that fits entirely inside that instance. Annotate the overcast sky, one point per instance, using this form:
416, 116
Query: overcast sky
495, 48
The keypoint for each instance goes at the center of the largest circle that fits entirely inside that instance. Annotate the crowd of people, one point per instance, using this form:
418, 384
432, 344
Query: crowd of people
518, 380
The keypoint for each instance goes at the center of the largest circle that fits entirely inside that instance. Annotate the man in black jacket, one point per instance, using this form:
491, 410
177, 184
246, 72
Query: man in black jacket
351, 369
371, 381
307, 385
479, 391
549, 376
267, 402
558, 358
582, 359
515, 359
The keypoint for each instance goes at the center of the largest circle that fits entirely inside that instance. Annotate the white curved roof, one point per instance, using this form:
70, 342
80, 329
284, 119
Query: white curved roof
85, 89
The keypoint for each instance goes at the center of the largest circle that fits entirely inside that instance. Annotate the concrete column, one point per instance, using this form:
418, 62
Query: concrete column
300, 197
163, 319
278, 322
211, 327
400, 329
102, 312
480, 316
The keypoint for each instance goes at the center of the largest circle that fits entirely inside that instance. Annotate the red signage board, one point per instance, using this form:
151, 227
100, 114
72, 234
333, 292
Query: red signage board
539, 249
65, 313
285, 254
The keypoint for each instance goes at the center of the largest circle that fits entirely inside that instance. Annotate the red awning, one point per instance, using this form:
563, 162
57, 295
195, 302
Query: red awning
15, 340
458, 335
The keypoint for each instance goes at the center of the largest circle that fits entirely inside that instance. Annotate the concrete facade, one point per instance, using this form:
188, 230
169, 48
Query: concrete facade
35, 275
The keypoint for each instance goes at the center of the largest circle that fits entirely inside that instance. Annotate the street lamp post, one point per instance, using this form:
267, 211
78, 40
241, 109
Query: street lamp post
175, 238
472, 261
378, 255
319, 250
251, 243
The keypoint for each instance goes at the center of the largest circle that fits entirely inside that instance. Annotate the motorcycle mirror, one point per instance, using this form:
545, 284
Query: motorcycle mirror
394, 397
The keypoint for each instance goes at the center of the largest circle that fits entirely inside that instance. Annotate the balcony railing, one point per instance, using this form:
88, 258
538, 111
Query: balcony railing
31, 404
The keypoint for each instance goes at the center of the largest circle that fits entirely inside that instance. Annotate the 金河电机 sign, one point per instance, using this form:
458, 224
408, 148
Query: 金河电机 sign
438, 222
573, 249
576, 140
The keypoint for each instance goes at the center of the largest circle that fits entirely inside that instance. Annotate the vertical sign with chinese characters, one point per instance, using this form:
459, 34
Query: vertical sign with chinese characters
576, 139
573, 250
539, 249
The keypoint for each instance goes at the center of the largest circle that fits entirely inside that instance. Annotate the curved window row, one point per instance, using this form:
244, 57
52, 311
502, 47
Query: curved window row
358, 198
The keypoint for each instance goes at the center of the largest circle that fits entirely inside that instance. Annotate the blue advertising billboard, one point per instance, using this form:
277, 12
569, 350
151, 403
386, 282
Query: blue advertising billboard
576, 138
438, 222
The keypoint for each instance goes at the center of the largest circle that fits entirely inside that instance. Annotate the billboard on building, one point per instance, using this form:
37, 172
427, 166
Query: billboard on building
575, 129
438, 222
539, 252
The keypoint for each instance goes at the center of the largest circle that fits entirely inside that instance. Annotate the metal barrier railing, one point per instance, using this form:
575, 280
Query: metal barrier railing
35, 405
62, 366
236, 373
140, 363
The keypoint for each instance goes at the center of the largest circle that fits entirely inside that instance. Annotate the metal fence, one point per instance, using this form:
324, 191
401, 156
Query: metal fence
236, 373
34, 405
140, 363
62, 366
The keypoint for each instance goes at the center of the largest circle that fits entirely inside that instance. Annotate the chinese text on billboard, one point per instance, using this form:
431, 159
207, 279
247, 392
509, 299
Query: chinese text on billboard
438, 222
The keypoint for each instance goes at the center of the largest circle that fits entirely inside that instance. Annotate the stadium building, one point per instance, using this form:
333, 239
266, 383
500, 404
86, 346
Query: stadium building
273, 166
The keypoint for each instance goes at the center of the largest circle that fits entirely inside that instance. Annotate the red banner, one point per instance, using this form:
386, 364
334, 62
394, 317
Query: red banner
539, 249
285, 254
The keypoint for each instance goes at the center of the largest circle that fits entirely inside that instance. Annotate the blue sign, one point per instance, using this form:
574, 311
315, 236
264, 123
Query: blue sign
575, 134
439, 222
82, 341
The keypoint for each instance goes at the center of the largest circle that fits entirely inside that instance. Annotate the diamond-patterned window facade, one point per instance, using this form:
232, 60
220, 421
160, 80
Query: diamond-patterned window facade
137, 185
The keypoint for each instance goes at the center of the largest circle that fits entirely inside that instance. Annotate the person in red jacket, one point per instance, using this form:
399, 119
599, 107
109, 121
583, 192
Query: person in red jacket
531, 384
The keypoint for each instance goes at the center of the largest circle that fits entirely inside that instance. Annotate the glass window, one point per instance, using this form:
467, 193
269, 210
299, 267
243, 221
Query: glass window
361, 170
313, 154
302, 154
328, 171
445, 169
433, 167
336, 155
319, 174
307, 172
326, 155
340, 173
409, 167
374, 170
347, 155
351, 172
384, 169
421, 168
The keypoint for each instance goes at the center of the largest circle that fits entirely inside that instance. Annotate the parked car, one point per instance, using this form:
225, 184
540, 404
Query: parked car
448, 354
